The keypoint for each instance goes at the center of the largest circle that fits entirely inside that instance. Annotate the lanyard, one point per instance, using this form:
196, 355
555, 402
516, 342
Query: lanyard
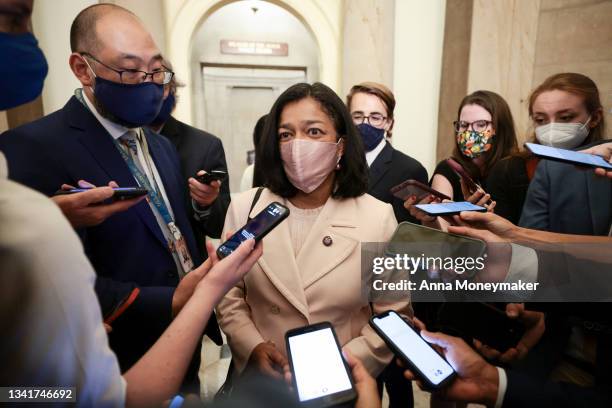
154, 193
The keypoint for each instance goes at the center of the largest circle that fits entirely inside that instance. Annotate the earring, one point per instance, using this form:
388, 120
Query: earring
338, 166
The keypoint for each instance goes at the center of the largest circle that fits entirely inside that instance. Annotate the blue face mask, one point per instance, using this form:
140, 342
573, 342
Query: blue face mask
370, 135
165, 111
23, 69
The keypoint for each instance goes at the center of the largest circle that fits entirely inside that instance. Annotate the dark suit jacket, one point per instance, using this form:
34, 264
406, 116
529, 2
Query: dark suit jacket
563, 198
390, 168
199, 150
525, 391
126, 250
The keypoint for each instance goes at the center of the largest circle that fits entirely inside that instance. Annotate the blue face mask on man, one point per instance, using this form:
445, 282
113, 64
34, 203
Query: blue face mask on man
23, 69
165, 111
134, 105
370, 135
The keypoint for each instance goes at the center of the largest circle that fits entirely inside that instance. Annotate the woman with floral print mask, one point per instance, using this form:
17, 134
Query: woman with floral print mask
484, 134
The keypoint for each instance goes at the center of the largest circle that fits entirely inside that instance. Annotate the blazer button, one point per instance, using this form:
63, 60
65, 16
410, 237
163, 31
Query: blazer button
327, 240
275, 309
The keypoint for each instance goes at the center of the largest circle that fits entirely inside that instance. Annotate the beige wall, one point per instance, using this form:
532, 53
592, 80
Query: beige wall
503, 50
576, 36
419, 35
51, 22
367, 42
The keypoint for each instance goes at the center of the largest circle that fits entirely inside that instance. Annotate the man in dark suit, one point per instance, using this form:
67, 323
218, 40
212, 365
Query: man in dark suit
141, 254
371, 106
198, 151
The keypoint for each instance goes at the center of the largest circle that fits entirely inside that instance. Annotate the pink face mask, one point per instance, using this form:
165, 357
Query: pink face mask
308, 162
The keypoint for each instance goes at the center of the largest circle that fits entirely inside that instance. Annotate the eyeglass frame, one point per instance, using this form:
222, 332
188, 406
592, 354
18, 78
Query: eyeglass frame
120, 72
367, 117
471, 125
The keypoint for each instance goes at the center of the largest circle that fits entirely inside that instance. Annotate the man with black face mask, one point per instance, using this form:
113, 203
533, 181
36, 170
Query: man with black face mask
141, 254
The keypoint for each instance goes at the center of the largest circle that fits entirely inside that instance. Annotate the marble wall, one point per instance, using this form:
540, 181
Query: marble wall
576, 36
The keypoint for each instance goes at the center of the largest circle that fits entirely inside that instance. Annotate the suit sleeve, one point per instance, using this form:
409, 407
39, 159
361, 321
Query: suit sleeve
234, 313
525, 391
215, 160
30, 164
369, 347
536, 211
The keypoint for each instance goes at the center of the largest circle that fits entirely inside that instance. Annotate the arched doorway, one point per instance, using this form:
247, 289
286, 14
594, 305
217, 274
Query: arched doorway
243, 55
193, 13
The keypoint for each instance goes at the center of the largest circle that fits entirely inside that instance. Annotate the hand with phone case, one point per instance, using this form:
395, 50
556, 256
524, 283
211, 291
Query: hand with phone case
205, 186
90, 206
534, 326
475, 381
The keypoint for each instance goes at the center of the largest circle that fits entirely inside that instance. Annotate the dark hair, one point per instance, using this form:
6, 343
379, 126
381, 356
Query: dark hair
576, 84
258, 177
382, 92
352, 177
83, 35
503, 144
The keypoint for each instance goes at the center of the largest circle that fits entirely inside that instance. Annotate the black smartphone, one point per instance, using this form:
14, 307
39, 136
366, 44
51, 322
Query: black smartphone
119, 193
481, 321
320, 375
568, 156
417, 240
453, 208
408, 344
210, 176
257, 228
415, 188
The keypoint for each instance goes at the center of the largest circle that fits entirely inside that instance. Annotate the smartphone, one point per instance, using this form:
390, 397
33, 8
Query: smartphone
482, 321
449, 208
257, 228
210, 176
471, 185
568, 156
409, 188
119, 193
320, 374
408, 344
416, 240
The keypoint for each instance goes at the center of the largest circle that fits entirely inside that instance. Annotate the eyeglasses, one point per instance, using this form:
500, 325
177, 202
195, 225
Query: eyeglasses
477, 125
134, 76
375, 119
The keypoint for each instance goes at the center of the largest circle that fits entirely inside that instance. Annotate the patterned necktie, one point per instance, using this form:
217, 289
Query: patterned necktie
129, 139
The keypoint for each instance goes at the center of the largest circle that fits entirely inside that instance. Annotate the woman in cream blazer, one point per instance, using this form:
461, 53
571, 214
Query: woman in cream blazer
322, 282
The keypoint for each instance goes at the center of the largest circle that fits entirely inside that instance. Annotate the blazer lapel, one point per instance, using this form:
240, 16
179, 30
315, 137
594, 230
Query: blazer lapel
277, 261
103, 150
380, 166
599, 192
337, 220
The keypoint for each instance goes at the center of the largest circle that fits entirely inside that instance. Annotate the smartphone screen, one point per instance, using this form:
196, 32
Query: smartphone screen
449, 208
568, 155
411, 346
255, 228
317, 364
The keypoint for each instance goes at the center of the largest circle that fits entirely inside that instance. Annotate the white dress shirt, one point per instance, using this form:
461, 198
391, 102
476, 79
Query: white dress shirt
373, 154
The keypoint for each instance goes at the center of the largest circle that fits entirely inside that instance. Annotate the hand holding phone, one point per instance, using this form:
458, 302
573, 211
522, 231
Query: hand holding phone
210, 176
119, 193
320, 375
410, 347
256, 228
476, 380
410, 188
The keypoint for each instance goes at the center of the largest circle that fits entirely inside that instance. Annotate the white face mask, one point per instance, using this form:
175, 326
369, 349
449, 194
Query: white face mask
562, 135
